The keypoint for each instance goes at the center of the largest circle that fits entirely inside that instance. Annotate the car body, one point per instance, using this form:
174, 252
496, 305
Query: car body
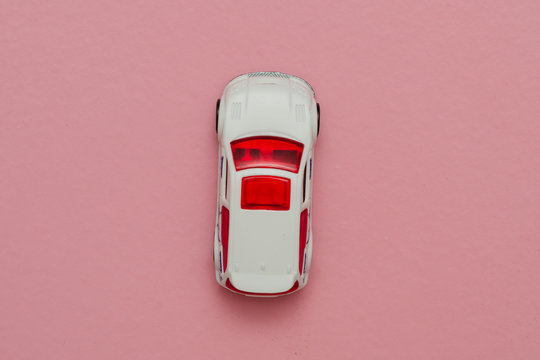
267, 125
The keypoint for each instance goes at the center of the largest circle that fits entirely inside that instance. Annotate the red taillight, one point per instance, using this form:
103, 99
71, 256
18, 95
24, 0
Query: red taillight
231, 287
225, 234
267, 152
266, 192
303, 238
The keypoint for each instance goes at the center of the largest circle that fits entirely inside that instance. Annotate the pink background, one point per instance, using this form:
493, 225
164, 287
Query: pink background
427, 179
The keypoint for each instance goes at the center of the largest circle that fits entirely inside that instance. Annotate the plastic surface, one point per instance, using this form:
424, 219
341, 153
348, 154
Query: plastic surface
267, 128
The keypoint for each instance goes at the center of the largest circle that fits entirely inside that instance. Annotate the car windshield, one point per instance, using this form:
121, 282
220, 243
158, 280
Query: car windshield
267, 152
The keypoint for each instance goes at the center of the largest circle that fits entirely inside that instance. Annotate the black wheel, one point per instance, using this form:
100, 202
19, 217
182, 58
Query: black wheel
318, 119
217, 113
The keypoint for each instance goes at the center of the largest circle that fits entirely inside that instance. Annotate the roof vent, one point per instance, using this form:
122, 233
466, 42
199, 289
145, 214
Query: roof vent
275, 74
269, 74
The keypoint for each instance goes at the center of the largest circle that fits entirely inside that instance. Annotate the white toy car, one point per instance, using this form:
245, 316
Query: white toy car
267, 124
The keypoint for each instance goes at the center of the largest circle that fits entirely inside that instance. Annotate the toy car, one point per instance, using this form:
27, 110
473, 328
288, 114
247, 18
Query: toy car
267, 125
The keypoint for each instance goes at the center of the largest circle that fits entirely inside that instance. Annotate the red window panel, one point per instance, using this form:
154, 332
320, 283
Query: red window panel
266, 193
225, 235
231, 286
303, 238
267, 152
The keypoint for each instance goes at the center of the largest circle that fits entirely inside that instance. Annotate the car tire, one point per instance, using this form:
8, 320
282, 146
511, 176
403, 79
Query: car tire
217, 113
318, 119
